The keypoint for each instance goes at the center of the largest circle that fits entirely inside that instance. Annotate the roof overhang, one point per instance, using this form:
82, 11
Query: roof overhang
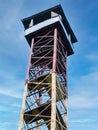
45, 15
46, 24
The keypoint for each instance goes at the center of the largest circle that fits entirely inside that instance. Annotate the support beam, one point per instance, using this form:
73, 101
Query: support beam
66, 100
53, 86
23, 106
53, 102
55, 50
29, 62
25, 87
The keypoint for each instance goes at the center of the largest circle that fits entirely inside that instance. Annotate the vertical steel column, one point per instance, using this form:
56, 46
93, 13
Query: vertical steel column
29, 62
66, 100
25, 87
53, 87
55, 50
23, 105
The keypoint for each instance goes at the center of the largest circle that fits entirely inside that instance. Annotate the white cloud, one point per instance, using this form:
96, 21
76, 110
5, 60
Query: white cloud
86, 120
92, 57
11, 84
11, 92
80, 101
84, 93
9, 17
5, 125
90, 78
2, 108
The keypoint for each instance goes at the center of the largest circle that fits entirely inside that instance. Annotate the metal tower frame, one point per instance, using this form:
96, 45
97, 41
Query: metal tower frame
45, 91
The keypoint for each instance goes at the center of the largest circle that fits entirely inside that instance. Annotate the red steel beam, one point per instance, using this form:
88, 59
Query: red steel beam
29, 62
55, 50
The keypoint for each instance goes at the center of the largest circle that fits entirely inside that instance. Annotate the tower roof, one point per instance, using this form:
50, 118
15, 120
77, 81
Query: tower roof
45, 15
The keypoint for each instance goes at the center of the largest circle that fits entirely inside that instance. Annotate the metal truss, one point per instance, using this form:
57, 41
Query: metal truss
45, 91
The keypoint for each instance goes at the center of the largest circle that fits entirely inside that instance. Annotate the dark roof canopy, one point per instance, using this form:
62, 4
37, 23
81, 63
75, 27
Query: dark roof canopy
44, 15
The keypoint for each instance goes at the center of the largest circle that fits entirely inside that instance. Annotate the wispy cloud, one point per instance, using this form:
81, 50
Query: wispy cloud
92, 57
7, 125
84, 92
2, 108
10, 15
86, 120
11, 92
80, 100
12, 84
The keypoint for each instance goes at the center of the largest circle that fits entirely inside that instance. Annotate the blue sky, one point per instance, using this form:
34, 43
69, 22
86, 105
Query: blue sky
82, 66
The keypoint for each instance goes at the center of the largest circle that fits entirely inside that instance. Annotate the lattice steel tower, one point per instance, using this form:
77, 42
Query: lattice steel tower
51, 39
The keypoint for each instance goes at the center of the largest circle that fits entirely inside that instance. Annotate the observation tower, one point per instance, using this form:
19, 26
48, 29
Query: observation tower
51, 40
